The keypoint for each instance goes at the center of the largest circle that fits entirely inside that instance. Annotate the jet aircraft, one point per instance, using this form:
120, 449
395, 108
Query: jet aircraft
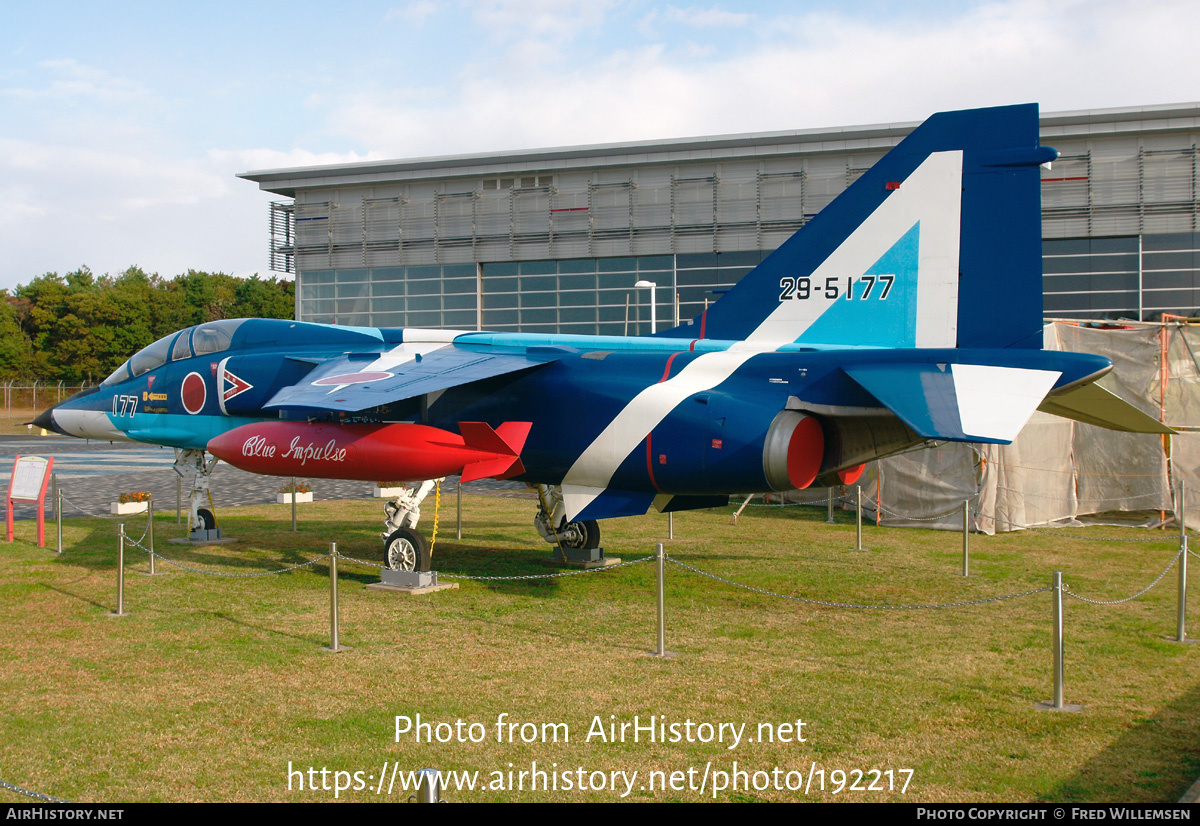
907, 312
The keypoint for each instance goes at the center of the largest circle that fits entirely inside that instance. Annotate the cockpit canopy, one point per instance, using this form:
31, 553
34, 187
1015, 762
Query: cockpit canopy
201, 340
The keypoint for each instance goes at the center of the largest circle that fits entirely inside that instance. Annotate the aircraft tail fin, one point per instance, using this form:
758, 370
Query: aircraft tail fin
937, 245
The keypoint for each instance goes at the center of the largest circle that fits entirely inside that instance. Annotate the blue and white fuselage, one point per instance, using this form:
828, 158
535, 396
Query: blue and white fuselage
907, 311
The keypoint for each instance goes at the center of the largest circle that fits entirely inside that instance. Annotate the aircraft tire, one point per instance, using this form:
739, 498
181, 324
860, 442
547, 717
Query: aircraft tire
207, 517
590, 530
406, 550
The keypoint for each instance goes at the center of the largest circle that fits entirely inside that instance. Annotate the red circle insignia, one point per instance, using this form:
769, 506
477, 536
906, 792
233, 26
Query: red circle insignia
193, 393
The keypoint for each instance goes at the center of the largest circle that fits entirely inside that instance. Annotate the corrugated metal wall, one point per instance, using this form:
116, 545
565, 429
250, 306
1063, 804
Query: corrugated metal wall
1121, 221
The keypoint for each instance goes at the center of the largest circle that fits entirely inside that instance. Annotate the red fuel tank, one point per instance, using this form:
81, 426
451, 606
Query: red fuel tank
374, 452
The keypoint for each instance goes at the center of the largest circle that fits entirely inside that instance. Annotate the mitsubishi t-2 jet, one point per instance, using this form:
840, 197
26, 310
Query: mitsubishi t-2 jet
907, 312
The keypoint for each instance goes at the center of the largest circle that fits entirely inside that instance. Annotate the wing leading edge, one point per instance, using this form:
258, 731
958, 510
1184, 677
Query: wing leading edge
1092, 404
359, 381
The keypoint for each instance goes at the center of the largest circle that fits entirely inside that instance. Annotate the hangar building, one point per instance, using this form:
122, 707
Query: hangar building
554, 240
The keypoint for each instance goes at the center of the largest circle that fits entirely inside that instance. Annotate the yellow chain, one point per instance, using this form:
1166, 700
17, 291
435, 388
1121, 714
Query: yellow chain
437, 508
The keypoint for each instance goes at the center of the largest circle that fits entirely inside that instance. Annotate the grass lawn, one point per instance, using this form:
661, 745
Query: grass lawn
212, 685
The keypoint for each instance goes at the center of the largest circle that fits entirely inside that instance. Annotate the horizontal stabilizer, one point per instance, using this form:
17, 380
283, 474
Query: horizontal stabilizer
1092, 404
958, 402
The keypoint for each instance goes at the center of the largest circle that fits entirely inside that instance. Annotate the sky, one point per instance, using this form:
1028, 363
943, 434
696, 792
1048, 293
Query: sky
123, 125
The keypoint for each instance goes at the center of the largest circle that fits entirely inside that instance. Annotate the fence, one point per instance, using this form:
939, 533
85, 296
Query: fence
21, 396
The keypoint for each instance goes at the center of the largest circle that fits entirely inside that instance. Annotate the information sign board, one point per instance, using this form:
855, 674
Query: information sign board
30, 477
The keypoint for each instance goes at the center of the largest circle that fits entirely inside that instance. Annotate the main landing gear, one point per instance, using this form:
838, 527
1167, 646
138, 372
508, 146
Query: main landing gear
202, 522
404, 548
551, 522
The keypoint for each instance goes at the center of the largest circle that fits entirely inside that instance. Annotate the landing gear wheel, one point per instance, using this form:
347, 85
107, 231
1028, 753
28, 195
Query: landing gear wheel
206, 516
589, 530
406, 550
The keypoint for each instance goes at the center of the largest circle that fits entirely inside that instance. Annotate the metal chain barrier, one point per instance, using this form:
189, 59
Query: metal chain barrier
826, 604
441, 575
1157, 579
45, 798
1015, 526
113, 518
359, 561
145, 531
227, 575
85, 511
1055, 532
956, 511
549, 576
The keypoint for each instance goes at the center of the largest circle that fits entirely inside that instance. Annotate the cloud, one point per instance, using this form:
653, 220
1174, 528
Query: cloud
543, 19
99, 168
66, 205
707, 18
414, 14
804, 71
72, 80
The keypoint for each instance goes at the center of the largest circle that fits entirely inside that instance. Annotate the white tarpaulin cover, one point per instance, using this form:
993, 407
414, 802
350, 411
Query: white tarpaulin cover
1058, 469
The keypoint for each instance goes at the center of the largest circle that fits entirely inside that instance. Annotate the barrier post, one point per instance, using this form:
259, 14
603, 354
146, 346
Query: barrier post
178, 500
294, 512
458, 512
120, 612
58, 512
1057, 704
1058, 640
661, 652
829, 509
662, 630
858, 519
150, 530
1181, 612
335, 645
429, 787
671, 525
333, 606
966, 535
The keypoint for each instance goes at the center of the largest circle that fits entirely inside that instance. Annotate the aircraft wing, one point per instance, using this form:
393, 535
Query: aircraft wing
359, 381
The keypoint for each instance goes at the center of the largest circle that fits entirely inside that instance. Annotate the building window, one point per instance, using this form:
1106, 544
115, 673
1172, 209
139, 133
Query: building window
521, 182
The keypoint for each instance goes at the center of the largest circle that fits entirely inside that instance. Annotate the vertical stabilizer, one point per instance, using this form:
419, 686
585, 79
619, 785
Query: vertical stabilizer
937, 245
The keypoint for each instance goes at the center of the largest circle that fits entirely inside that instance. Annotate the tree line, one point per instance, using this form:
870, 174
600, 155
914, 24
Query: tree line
79, 327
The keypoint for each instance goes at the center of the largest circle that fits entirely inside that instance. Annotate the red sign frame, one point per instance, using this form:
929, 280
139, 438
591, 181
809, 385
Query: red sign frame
9, 499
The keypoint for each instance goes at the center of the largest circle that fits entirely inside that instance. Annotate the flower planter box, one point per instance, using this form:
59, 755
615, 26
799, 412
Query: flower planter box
124, 508
286, 498
386, 493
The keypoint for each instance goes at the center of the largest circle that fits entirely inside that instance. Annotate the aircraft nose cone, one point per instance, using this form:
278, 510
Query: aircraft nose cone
46, 421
